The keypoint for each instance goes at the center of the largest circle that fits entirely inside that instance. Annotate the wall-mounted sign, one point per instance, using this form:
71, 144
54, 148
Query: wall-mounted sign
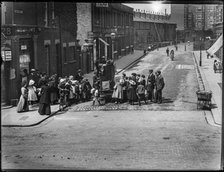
102, 5
24, 58
18, 11
6, 30
18, 30
23, 47
7, 55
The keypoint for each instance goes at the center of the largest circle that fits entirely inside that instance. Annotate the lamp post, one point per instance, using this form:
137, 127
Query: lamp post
200, 53
112, 38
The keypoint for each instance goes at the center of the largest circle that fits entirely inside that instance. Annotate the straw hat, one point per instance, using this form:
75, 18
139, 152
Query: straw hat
62, 80
132, 82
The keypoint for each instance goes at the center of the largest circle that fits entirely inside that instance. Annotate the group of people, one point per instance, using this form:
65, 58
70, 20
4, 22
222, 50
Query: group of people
171, 53
46, 90
139, 88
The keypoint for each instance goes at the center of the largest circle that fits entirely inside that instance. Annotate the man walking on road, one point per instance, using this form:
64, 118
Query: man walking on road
159, 84
150, 85
167, 51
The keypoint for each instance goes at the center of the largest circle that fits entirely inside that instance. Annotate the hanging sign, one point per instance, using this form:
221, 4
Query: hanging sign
7, 55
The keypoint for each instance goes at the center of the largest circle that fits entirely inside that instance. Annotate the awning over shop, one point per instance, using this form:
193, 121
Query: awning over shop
216, 46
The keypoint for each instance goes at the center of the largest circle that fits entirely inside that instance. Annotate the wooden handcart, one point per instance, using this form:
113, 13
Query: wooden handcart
204, 99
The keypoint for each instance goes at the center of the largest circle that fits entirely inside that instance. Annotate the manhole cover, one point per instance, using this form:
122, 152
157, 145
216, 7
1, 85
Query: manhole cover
24, 118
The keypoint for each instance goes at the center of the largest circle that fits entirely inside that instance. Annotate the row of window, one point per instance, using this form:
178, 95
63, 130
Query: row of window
108, 18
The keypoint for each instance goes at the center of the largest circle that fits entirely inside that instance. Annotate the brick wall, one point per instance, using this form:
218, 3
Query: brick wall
84, 20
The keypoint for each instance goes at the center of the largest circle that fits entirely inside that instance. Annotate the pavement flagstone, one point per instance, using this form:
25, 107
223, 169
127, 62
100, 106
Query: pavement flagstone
212, 82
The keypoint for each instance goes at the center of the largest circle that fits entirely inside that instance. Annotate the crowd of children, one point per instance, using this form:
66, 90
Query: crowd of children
65, 91
45, 90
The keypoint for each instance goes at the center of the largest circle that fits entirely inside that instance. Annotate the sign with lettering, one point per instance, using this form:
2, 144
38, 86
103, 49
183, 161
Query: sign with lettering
23, 47
18, 11
7, 30
18, 30
102, 5
7, 55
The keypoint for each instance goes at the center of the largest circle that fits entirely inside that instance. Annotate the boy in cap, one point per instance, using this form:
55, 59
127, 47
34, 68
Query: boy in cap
140, 91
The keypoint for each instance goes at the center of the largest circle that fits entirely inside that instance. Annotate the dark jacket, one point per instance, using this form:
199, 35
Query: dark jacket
150, 82
45, 94
159, 82
79, 77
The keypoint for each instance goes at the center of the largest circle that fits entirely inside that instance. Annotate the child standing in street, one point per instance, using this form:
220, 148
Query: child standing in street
32, 96
95, 93
141, 93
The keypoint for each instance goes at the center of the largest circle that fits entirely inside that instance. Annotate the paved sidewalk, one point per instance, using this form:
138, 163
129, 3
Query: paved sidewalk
10, 117
212, 81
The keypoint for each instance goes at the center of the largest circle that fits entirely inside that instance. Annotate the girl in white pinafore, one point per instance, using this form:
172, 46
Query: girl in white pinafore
32, 96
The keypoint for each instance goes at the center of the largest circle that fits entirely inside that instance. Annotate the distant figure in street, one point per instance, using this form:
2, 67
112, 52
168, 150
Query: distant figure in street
176, 47
172, 55
45, 100
97, 67
132, 50
159, 85
167, 51
23, 105
207, 55
79, 76
150, 86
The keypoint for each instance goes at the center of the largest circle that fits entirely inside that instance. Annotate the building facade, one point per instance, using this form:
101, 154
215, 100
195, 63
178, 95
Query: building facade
152, 29
40, 35
103, 27
218, 27
112, 30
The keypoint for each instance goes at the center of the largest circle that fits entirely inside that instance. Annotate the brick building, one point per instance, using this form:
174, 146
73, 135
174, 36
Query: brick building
40, 35
96, 22
152, 28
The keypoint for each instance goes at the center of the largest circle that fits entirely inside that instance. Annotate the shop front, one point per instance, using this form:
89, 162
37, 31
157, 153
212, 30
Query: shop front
17, 54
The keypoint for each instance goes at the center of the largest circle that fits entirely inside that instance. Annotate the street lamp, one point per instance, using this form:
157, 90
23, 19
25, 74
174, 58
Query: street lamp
112, 38
200, 52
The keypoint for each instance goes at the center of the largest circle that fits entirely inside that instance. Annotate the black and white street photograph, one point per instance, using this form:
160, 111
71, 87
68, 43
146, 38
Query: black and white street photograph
111, 85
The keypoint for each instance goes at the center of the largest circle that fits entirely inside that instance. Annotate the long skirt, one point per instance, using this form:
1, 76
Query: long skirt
54, 97
132, 94
44, 109
22, 105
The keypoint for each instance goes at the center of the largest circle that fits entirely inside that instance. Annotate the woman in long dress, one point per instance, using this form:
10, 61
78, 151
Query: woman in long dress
23, 105
118, 92
132, 97
45, 100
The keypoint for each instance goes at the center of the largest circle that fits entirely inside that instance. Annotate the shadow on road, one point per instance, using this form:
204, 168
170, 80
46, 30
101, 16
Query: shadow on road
167, 100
